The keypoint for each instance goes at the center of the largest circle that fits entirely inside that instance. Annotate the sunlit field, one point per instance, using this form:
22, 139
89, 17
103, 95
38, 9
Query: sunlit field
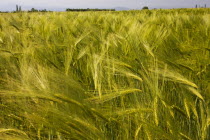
129, 75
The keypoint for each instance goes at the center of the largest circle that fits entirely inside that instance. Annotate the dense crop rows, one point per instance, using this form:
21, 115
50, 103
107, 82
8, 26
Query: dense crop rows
105, 75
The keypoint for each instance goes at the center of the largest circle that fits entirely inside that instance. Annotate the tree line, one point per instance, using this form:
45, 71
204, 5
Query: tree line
198, 6
78, 10
19, 9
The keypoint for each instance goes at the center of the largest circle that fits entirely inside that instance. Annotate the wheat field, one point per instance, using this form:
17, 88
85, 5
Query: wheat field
124, 75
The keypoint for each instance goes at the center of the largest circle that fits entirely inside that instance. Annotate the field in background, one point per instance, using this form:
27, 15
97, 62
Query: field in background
128, 75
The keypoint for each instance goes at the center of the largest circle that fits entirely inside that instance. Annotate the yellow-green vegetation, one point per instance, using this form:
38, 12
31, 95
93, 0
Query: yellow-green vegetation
105, 75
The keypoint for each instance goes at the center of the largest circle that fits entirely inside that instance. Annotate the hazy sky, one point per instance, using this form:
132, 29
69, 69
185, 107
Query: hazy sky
132, 4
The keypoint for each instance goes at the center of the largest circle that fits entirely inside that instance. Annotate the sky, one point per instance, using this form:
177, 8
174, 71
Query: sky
59, 5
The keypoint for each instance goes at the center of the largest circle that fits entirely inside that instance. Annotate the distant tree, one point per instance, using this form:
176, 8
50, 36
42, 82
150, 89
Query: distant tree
33, 10
44, 10
205, 6
145, 8
17, 9
196, 6
20, 9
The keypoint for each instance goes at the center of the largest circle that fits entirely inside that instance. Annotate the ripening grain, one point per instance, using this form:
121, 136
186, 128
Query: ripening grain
133, 75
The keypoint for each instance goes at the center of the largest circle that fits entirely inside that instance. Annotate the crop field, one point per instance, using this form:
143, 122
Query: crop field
118, 75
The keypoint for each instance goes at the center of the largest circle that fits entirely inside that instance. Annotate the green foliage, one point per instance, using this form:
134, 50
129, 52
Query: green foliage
33, 10
105, 75
145, 8
20, 9
36, 10
17, 8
